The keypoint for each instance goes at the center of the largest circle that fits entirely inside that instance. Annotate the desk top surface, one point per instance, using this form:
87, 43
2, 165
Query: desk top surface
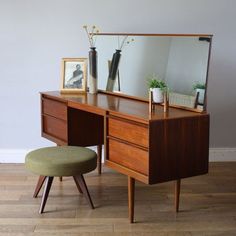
121, 106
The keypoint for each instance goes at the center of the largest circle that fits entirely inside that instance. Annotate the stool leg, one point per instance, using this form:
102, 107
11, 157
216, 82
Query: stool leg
99, 160
47, 187
77, 184
81, 182
39, 185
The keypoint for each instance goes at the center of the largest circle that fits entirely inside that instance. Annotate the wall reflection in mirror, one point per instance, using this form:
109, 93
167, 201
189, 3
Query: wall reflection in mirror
126, 61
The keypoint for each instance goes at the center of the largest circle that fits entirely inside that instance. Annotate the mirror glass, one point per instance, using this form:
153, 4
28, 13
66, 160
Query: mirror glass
127, 62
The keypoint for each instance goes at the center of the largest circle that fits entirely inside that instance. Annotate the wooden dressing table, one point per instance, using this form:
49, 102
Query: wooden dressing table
154, 149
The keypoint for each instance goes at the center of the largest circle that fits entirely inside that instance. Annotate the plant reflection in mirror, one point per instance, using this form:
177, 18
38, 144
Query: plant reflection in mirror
199, 85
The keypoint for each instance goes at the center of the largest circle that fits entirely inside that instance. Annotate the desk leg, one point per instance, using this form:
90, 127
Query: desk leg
99, 160
177, 193
60, 178
131, 189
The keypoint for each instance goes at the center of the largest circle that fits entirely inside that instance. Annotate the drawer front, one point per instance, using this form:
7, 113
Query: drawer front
128, 156
55, 127
54, 108
134, 133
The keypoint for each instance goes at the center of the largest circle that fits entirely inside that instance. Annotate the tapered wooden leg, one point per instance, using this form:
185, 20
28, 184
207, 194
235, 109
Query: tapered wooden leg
131, 189
83, 186
39, 185
77, 184
45, 193
60, 178
177, 193
99, 160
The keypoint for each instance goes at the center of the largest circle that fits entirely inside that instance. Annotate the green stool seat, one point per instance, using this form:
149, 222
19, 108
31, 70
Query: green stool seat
61, 161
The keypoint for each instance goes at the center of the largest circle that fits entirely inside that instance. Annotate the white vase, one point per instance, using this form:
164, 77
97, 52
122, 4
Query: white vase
201, 95
157, 95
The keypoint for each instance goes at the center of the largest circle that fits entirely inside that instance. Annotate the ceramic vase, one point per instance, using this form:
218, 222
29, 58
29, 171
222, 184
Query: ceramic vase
157, 95
93, 80
201, 95
113, 70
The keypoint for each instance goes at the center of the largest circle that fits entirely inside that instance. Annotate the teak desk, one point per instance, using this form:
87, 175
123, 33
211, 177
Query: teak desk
153, 149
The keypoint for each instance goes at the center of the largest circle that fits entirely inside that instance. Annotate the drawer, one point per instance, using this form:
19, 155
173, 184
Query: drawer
54, 108
54, 127
128, 156
131, 132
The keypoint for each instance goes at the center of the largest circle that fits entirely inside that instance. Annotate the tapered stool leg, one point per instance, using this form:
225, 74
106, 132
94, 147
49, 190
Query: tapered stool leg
79, 179
47, 188
39, 185
77, 184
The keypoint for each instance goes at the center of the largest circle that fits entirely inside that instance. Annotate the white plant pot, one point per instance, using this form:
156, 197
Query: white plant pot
201, 95
157, 95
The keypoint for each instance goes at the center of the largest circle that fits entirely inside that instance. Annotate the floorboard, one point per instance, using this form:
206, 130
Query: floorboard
207, 205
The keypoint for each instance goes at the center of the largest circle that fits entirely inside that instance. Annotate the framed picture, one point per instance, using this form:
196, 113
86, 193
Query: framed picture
74, 75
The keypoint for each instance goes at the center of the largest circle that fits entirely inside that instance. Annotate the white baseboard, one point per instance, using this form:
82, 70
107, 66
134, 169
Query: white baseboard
222, 154
18, 155
13, 155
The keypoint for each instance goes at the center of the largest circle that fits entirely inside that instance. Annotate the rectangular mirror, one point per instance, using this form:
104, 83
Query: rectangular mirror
127, 61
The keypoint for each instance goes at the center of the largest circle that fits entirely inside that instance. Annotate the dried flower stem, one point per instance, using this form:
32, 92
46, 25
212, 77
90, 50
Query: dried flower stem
91, 35
124, 42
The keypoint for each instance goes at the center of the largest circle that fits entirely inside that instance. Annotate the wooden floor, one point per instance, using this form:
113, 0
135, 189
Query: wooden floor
207, 205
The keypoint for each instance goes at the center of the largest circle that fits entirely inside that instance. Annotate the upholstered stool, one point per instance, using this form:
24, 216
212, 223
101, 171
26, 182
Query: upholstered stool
61, 161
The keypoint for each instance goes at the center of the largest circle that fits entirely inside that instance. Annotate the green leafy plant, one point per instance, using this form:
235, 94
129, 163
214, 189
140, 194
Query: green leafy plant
199, 86
155, 82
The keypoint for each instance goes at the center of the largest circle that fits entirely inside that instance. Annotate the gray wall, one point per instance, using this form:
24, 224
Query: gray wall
35, 35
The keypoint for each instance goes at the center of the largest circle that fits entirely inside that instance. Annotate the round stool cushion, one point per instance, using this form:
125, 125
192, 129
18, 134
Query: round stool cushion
61, 161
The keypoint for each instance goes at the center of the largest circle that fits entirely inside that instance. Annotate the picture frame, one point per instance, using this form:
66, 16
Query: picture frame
73, 75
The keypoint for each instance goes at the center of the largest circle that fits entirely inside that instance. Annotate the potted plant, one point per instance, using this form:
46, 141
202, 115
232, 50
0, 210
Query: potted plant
157, 86
200, 88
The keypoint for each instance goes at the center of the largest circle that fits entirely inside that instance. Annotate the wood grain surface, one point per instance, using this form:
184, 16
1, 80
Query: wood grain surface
207, 205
